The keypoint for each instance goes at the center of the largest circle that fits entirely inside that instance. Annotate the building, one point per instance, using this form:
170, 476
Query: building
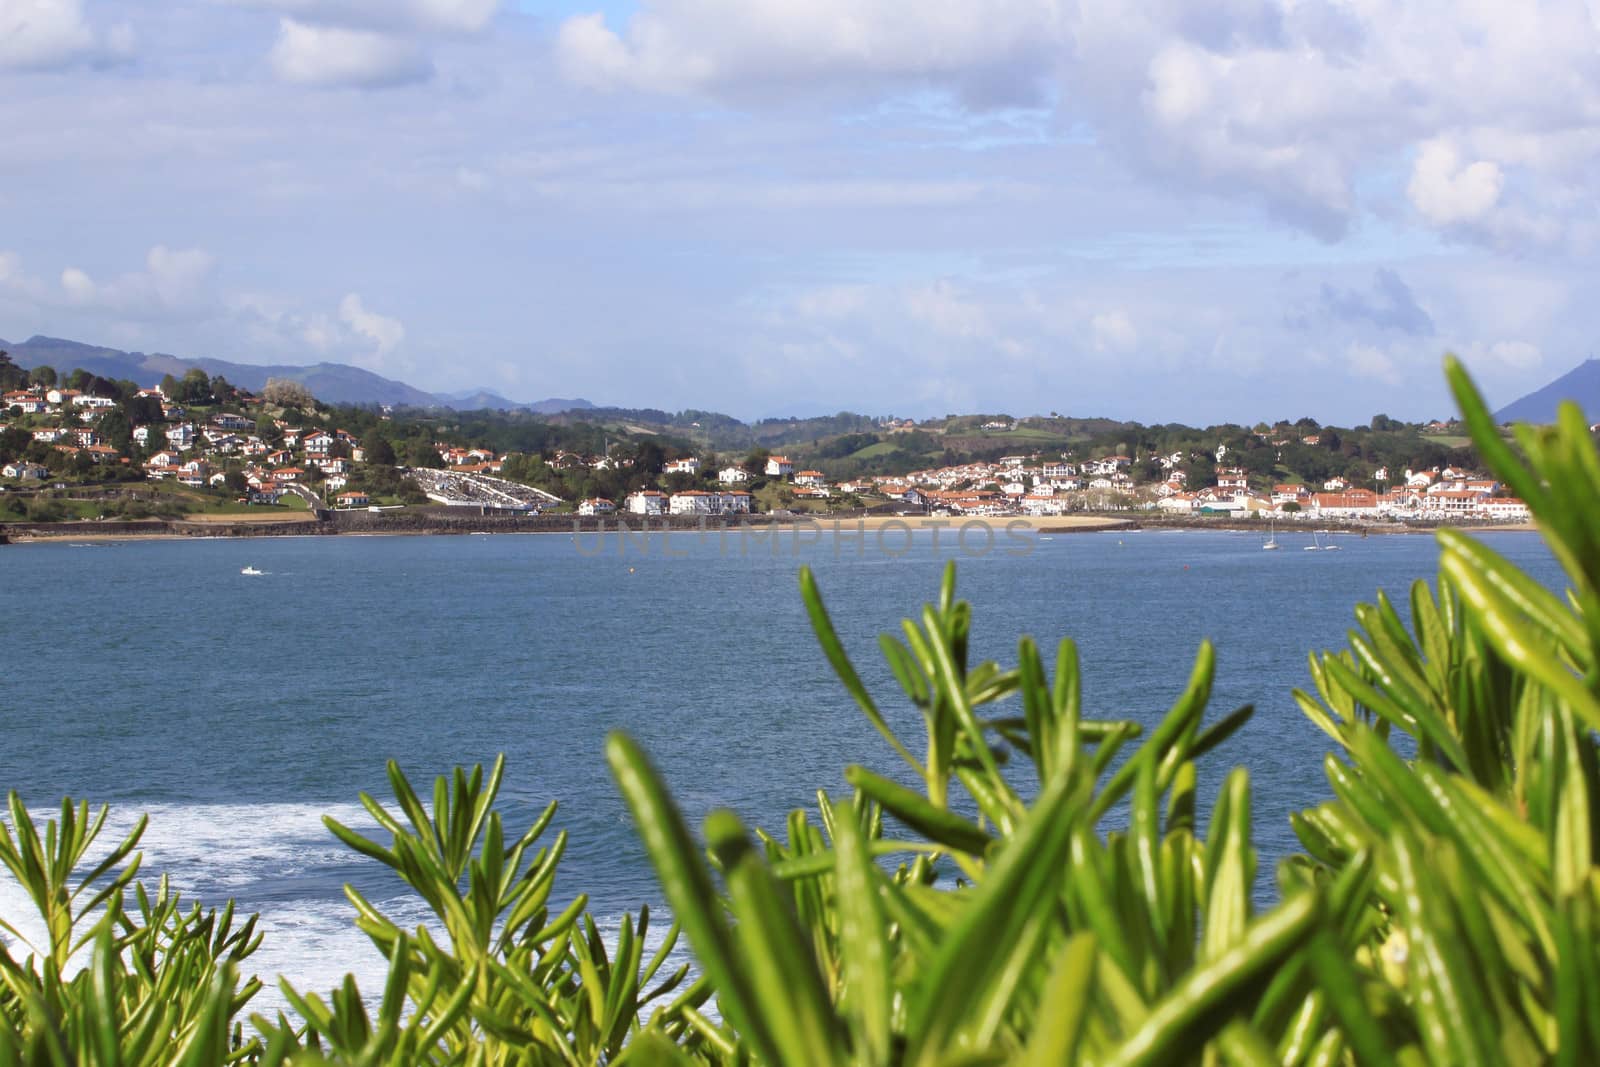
733, 476
701, 502
596, 506
687, 465
779, 467
648, 502
811, 478
1353, 504
25, 471
354, 499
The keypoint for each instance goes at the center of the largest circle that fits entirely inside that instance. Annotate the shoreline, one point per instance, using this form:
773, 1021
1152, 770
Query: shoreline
364, 524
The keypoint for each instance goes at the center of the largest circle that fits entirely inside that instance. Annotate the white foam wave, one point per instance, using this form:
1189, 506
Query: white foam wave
280, 861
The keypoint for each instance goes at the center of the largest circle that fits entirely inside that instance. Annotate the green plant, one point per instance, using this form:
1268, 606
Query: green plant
970, 904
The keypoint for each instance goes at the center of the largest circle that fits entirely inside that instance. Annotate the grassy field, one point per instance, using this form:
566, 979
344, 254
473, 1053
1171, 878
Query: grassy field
881, 448
141, 499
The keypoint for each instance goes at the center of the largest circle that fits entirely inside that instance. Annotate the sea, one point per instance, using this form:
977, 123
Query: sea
236, 710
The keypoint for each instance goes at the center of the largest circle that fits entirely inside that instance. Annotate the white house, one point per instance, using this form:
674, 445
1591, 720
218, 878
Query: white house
687, 465
181, 436
701, 502
22, 469
694, 502
318, 443
1043, 504
1286, 493
779, 467
809, 478
596, 506
733, 476
1355, 504
1506, 509
648, 502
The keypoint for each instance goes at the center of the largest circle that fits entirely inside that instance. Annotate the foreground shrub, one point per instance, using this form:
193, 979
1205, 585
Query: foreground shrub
972, 906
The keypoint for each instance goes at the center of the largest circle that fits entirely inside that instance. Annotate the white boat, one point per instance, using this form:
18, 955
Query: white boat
251, 571
1272, 536
1315, 545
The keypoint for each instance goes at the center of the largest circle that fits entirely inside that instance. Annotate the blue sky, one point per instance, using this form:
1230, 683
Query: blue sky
1164, 211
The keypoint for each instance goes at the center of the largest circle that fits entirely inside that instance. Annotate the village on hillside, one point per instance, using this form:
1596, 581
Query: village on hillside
245, 456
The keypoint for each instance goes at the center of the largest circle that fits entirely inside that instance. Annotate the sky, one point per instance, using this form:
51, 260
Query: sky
1165, 211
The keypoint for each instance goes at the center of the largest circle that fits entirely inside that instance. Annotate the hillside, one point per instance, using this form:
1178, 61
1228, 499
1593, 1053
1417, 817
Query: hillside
1581, 383
333, 383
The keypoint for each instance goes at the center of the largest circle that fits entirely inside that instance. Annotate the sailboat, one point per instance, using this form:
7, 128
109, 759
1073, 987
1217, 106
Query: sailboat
1272, 535
1330, 546
1315, 545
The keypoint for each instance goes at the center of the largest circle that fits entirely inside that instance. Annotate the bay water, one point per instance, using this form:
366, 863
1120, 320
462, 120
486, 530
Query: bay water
237, 710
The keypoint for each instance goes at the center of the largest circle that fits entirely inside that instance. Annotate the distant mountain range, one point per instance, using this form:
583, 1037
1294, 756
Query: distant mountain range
1581, 383
332, 383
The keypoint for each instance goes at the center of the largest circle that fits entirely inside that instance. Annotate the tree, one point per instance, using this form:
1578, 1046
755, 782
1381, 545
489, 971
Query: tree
11, 375
45, 376
756, 461
379, 451
421, 453
650, 457
287, 393
142, 410
116, 430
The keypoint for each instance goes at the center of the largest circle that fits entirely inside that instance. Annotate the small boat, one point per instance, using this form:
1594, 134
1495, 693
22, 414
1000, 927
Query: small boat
1315, 545
1272, 536
251, 571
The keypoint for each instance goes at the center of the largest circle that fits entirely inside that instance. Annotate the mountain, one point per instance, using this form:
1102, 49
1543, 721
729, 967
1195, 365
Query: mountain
1581, 383
332, 383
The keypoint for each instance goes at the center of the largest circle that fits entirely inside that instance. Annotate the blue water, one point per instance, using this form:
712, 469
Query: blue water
235, 710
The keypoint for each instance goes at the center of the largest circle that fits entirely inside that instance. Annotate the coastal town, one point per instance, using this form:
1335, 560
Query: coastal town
263, 452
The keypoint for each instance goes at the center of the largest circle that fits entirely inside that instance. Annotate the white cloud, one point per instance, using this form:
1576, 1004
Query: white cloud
450, 16
1304, 106
174, 282
1518, 355
990, 51
1448, 192
1113, 331
48, 34
1370, 361
309, 54
385, 333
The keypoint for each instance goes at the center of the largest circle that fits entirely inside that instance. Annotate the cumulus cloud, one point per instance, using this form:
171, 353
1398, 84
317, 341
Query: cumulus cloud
451, 16
330, 56
1305, 107
1113, 332
383, 332
1389, 305
173, 282
1448, 191
991, 52
50, 34
1372, 362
